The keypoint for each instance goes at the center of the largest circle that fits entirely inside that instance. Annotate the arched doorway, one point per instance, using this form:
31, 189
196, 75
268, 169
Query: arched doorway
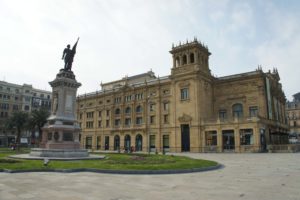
117, 142
127, 143
139, 143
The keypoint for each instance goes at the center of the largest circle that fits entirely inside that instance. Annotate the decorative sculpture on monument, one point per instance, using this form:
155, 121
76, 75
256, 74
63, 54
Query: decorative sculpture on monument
68, 56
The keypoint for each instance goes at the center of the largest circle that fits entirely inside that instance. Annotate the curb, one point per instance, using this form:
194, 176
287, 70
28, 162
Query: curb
109, 171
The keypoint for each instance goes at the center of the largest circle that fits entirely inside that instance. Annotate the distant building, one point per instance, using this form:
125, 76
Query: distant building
15, 97
293, 115
188, 111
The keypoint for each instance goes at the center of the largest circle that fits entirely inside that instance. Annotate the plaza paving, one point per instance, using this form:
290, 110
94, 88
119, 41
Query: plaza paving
245, 176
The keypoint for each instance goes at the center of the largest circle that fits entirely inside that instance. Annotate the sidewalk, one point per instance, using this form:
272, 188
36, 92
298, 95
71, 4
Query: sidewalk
261, 176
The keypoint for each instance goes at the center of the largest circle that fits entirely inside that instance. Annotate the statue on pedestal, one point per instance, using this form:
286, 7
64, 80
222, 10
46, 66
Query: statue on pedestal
68, 56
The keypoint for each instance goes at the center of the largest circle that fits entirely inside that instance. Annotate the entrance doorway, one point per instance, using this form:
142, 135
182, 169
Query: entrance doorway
127, 143
117, 143
106, 142
138, 143
228, 140
185, 137
88, 142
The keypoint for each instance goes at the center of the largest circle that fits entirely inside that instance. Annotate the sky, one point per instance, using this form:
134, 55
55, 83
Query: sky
121, 38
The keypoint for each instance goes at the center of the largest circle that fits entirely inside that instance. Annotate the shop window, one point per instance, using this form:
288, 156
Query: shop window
166, 143
152, 141
246, 136
211, 138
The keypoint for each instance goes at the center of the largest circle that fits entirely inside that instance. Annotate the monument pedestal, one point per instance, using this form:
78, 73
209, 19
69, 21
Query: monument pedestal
60, 137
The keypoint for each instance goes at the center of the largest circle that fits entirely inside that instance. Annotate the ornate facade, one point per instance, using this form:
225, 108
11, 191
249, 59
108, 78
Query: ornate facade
293, 115
189, 110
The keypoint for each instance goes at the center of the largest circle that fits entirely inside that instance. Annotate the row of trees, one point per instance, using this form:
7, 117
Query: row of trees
21, 121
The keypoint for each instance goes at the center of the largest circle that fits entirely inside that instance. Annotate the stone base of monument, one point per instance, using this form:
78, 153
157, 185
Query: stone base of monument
60, 153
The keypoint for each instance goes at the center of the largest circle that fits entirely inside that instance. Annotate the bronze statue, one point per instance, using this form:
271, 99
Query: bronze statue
68, 56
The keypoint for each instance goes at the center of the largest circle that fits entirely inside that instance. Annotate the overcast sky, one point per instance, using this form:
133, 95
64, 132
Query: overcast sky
120, 37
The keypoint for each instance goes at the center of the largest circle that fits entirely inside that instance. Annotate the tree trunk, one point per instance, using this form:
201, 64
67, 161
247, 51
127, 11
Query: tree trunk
18, 140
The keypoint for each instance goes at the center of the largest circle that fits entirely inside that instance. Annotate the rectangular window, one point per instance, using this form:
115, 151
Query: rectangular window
184, 94
99, 113
246, 137
128, 98
222, 115
166, 106
166, 92
152, 107
253, 111
139, 120
89, 115
166, 119
107, 123
152, 141
152, 119
127, 121
80, 116
89, 124
117, 122
107, 113
118, 100
139, 96
26, 108
15, 107
211, 138
100, 123
166, 141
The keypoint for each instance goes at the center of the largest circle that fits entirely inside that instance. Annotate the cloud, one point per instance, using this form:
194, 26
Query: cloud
120, 37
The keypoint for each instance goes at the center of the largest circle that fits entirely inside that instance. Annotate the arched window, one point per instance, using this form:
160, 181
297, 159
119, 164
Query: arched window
138, 143
184, 60
127, 143
237, 110
128, 110
117, 142
117, 111
139, 109
192, 58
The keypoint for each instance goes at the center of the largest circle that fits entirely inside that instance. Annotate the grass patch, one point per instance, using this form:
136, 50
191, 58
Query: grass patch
111, 161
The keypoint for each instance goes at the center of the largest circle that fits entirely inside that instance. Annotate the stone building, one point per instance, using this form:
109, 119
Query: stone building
293, 116
189, 110
14, 97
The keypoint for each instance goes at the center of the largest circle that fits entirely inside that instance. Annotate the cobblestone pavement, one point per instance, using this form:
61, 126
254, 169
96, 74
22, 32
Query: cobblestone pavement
245, 176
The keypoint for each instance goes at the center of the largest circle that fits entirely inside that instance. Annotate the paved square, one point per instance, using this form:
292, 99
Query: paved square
245, 176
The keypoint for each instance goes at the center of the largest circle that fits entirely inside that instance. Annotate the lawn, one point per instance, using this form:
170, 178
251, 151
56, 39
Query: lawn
111, 161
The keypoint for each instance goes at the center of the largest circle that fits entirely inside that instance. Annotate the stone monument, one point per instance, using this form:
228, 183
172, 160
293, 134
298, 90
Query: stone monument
60, 137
